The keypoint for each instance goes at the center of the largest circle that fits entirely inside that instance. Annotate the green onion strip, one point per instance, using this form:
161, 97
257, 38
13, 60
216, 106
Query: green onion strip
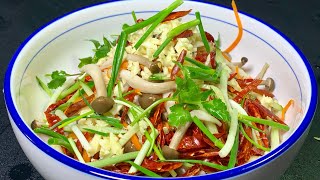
161, 17
202, 33
175, 32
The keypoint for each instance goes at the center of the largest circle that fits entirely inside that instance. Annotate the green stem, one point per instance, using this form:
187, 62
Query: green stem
206, 163
70, 90
44, 86
175, 32
248, 123
113, 160
110, 120
146, 22
75, 150
264, 121
117, 60
252, 141
134, 16
144, 170
165, 13
127, 93
96, 132
202, 33
75, 119
146, 111
203, 128
234, 152
50, 133
60, 142
197, 63
155, 148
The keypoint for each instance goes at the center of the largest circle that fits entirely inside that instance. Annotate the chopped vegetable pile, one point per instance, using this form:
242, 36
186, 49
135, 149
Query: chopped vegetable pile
162, 99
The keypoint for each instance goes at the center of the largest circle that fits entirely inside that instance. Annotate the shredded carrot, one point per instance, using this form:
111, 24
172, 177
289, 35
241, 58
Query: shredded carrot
285, 109
237, 72
134, 139
124, 65
226, 56
72, 135
240, 28
137, 91
85, 156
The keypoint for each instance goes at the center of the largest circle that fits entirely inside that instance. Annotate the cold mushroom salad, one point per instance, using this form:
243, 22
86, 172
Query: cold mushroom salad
162, 99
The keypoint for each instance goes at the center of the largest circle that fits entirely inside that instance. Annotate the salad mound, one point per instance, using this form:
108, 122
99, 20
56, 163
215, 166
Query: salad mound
162, 99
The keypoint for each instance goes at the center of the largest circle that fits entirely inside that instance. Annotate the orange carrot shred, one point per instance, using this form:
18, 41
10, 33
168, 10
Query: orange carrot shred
226, 56
85, 156
285, 109
237, 72
134, 139
240, 28
124, 65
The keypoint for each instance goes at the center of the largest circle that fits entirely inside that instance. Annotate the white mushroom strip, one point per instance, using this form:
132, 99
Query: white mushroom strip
204, 116
144, 86
94, 71
263, 71
140, 59
178, 135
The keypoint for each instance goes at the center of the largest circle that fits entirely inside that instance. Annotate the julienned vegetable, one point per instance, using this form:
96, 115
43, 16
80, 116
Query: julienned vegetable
160, 98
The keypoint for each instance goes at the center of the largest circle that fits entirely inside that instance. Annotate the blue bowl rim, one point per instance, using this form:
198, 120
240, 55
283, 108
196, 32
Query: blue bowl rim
107, 174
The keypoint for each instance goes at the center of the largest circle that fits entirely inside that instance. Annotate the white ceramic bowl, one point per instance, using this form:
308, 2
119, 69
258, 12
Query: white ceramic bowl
59, 44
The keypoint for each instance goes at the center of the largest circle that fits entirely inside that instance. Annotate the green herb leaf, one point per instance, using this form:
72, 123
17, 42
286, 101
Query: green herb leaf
203, 74
96, 43
85, 61
58, 78
179, 115
206, 94
101, 50
187, 91
217, 108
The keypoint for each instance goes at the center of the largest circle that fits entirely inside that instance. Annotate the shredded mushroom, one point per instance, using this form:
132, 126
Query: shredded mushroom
145, 86
94, 71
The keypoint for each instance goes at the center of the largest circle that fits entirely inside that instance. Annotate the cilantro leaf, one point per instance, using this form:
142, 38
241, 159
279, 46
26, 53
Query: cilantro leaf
203, 74
58, 78
95, 42
100, 51
179, 116
85, 61
206, 94
187, 91
217, 108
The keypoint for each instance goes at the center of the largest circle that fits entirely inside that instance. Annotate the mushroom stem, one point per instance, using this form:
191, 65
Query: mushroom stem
263, 71
94, 71
269, 84
145, 86
243, 61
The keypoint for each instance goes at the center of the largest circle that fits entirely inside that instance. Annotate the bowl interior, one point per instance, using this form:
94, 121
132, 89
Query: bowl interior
62, 43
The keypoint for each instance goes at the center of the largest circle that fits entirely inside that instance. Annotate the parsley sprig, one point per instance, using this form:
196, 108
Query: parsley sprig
190, 96
100, 51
